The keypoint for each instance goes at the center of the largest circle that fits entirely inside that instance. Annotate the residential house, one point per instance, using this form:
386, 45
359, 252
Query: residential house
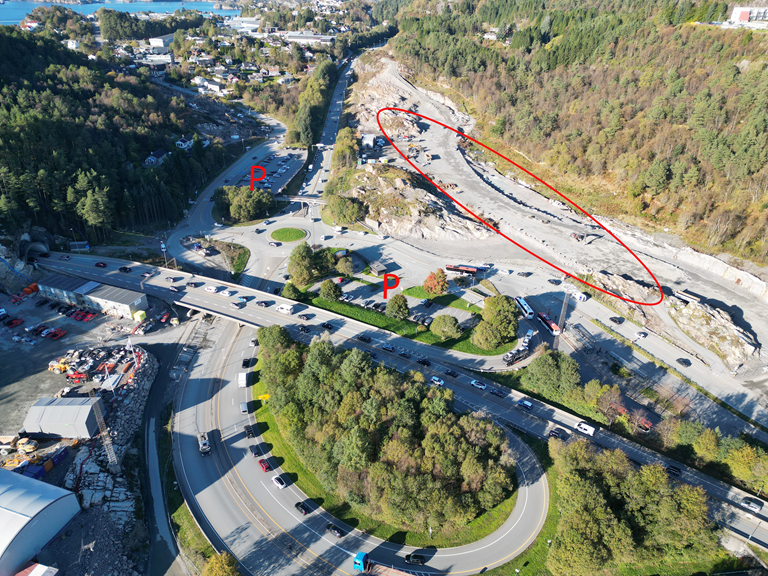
214, 86
274, 70
228, 61
232, 79
72, 44
156, 158
258, 78
199, 81
185, 142
287, 79
489, 36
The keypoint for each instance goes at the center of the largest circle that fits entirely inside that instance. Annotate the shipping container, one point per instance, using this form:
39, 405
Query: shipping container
48, 464
59, 455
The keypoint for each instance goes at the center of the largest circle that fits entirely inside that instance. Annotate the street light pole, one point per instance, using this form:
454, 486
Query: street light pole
74, 239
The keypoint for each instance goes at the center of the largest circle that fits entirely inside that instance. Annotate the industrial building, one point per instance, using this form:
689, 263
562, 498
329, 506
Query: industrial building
746, 14
32, 513
63, 418
305, 37
117, 302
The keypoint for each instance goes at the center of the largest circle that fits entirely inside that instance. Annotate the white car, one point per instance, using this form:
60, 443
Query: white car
641, 335
211, 289
253, 343
228, 293
279, 482
478, 384
437, 381
507, 272
218, 224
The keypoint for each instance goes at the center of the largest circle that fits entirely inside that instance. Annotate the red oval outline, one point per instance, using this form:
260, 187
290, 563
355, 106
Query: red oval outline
378, 121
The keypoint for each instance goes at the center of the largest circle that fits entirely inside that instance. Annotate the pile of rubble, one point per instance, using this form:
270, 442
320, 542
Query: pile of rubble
106, 492
714, 329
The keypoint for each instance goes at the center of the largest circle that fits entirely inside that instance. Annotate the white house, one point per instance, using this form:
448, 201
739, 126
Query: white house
368, 140
185, 142
287, 79
72, 44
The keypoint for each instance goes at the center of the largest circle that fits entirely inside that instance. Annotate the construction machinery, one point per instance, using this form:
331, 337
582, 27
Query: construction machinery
59, 366
8, 444
26, 446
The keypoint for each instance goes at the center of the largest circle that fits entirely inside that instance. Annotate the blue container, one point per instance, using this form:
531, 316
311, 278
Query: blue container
35, 471
59, 455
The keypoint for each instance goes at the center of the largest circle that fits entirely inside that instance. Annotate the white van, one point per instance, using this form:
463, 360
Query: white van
242, 380
580, 296
243, 407
585, 428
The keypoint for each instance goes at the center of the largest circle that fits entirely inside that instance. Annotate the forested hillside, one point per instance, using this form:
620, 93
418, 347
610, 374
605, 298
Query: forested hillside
117, 25
629, 107
73, 138
613, 514
385, 442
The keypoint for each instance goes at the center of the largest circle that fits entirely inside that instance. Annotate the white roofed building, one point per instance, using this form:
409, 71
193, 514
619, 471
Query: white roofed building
32, 513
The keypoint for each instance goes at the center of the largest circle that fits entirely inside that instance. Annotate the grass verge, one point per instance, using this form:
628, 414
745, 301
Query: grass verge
448, 300
288, 235
408, 328
190, 538
291, 464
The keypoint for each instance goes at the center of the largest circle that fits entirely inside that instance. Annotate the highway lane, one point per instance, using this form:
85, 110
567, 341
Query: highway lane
259, 523
346, 328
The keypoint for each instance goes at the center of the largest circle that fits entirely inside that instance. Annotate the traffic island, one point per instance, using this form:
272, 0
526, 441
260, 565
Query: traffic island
288, 235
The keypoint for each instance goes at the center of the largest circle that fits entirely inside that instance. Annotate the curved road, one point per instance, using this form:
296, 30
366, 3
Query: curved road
243, 506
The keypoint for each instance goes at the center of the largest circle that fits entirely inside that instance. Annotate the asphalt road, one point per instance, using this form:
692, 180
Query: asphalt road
540, 420
258, 522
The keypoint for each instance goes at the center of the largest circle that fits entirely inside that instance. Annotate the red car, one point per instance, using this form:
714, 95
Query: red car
55, 335
265, 465
39, 330
78, 315
165, 317
14, 323
88, 317
101, 265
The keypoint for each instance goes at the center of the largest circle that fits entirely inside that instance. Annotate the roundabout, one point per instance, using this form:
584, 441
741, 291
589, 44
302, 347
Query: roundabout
288, 235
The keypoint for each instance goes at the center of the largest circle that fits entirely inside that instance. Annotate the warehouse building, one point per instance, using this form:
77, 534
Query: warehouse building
63, 418
32, 513
117, 302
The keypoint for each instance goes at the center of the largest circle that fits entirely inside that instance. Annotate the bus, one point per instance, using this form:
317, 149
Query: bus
549, 324
461, 269
524, 308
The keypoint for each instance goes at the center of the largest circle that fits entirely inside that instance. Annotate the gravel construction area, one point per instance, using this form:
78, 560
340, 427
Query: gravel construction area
546, 228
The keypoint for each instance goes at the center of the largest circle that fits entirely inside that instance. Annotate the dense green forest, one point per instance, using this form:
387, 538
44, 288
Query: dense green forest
60, 22
629, 107
117, 25
387, 443
73, 138
614, 514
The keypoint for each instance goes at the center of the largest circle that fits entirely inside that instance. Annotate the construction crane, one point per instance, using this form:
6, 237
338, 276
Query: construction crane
103, 431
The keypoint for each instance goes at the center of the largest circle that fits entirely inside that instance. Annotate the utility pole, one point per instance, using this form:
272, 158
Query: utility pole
561, 324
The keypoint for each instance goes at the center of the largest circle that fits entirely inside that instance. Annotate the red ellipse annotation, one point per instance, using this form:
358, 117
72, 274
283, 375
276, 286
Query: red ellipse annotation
502, 234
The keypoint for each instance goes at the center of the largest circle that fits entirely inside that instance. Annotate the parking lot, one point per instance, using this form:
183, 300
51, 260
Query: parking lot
26, 377
279, 171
